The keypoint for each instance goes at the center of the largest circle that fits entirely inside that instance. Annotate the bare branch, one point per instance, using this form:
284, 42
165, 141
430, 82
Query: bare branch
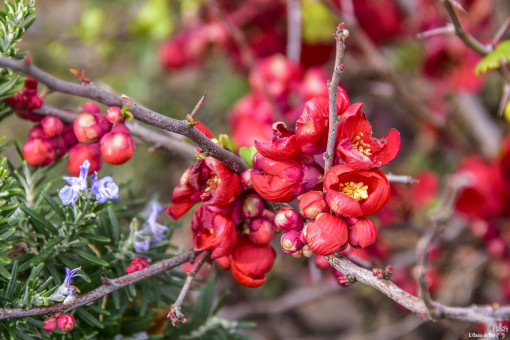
340, 35
474, 313
141, 113
175, 313
109, 285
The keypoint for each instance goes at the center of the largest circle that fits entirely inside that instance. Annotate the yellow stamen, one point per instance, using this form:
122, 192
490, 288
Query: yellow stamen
212, 183
358, 191
362, 147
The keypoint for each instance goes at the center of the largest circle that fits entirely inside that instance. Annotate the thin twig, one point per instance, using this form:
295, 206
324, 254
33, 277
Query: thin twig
141, 113
474, 313
293, 30
175, 313
198, 106
448, 29
109, 285
401, 179
340, 35
500, 32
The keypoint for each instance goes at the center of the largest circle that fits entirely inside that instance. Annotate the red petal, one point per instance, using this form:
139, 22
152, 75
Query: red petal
390, 146
313, 124
274, 188
343, 204
246, 280
326, 235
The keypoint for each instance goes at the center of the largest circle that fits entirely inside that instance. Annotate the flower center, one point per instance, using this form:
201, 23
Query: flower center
358, 191
212, 183
362, 147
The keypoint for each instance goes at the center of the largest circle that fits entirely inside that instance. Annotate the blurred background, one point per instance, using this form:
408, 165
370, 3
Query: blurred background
166, 54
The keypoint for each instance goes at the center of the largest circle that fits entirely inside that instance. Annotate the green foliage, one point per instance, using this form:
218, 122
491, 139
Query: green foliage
15, 20
247, 154
501, 54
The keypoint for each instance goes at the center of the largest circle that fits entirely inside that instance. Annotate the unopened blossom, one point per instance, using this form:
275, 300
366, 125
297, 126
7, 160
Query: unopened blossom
69, 193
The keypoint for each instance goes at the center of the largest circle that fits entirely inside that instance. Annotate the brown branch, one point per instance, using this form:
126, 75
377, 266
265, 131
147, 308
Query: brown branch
109, 286
171, 142
474, 313
340, 35
471, 41
141, 113
175, 313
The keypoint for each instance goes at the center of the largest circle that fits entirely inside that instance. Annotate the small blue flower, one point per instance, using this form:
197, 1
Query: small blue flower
151, 226
64, 292
69, 193
105, 189
141, 242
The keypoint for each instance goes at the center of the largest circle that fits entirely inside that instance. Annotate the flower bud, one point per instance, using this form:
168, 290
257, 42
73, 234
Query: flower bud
312, 203
81, 152
38, 151
307, 251
114, 115
246, 179
288, 219
50, 324
52, 126
261, 231
65, 322
36, 132
90, 127
326, 235
59, 145
291, 241
252, 206
117, 147
91, 107
362, 233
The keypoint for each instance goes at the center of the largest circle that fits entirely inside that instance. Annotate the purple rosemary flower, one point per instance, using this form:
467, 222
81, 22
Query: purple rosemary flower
69, 193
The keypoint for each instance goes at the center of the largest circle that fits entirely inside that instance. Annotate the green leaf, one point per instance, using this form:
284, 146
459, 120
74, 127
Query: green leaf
247, 154
204, 302
91, 258
501, 54
5, 273
54, 205
89, 318
114, 224
37, 220
98, 238
54, 241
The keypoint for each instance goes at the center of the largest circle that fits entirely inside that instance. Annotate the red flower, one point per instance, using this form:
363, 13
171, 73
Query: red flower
358, 148
326, 235
250, 263
212, 230
136, 264
283, 145
312, 203
312, 126
484, 196
206, 181
352, 193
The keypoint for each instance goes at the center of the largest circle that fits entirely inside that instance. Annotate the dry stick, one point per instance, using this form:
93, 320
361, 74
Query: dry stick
247, 57
109, 286
175, 313
340, 35
169, 142
141, 113
293, 30
474, 313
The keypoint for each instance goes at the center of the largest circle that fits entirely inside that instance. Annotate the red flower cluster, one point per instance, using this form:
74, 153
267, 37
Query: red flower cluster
231, 220
291, 165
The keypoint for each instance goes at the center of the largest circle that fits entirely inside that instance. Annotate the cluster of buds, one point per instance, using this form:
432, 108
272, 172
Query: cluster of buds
136, 264
334, 207
101, 135
91, 136
65, 322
